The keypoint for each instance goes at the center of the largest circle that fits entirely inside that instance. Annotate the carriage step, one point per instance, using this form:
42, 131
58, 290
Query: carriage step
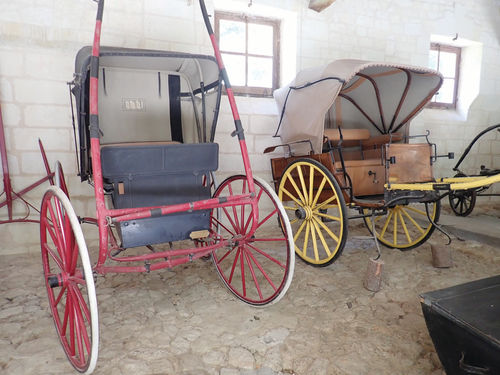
198, 234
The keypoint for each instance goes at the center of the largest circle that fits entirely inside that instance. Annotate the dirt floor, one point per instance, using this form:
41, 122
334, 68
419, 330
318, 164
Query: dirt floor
184, 321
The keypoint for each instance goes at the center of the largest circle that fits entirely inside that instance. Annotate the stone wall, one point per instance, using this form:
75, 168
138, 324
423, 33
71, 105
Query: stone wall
39, 40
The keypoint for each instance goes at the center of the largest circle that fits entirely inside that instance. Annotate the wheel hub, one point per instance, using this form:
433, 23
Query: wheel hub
304, 213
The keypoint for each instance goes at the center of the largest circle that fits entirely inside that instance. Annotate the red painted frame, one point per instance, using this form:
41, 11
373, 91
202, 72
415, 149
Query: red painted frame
10, 194
105, 217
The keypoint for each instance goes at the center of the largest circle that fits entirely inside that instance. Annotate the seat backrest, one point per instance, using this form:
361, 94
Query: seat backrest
141, 105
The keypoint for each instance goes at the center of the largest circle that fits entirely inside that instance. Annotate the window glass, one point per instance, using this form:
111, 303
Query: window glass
447, 64
260, 72
446, 60
235, 66
433, 60
260, 39
446, 92
232, 36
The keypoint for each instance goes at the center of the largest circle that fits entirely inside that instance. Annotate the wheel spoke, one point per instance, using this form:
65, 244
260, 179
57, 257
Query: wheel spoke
404, 226
81, 301
311, 183
71, 322
322, 239
225, 255
268, 239
272, 259
297, 202
297, 233
321, 205
318, 193
237, 224
223, 226
413, 221
414, 209
261, 269
236, 229
57, 232
243, 190
326, 229
290, 178
235, 262
315, 245
67, 318
386, 224
335, 218
303, 184
254, 277
242, 268
266, 218
81, 305
54, 256
306, 237
60, 295
79, 334
395, 226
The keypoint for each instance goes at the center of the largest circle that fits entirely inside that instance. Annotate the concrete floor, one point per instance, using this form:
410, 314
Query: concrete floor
183, 321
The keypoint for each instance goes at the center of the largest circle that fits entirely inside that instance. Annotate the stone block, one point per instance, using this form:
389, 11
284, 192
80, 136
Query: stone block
230, 163
52, 139
172, 8
261, 142
263, 124
225, 123
168, 28
314, 29
6, 94
40, 92
48, 116
13, 165
11, 114
125, 23
49, 64
484, 146
31, 162
228, 144
11, 62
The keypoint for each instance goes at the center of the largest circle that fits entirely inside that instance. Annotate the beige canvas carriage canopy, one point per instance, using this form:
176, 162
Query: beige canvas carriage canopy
379, 96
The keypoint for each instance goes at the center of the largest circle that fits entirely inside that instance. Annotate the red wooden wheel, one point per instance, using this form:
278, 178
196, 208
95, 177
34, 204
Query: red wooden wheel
69, 280
256, 267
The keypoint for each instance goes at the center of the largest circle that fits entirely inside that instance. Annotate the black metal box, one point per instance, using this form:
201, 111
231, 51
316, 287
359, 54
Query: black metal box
464, 324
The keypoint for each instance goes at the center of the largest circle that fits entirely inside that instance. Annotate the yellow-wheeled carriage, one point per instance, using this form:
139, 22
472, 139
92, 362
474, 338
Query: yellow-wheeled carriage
345, 131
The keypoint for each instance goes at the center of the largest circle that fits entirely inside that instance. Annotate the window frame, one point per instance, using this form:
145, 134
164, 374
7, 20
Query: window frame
457, 51
246, 19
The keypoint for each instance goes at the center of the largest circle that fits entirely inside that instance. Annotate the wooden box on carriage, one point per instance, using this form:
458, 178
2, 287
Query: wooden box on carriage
464, 324
407, 163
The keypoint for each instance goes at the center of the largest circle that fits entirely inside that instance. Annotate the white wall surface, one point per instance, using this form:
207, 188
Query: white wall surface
39, 40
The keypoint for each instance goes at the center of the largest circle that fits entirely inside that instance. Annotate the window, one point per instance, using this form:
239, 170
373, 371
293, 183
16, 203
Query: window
446, 60
250, 49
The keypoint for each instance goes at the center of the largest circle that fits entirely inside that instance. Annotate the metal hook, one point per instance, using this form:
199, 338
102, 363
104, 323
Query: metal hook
374, 233
435, 225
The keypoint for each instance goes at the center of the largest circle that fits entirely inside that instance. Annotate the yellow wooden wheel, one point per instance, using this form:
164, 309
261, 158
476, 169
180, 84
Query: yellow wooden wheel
405, 227
316, 208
